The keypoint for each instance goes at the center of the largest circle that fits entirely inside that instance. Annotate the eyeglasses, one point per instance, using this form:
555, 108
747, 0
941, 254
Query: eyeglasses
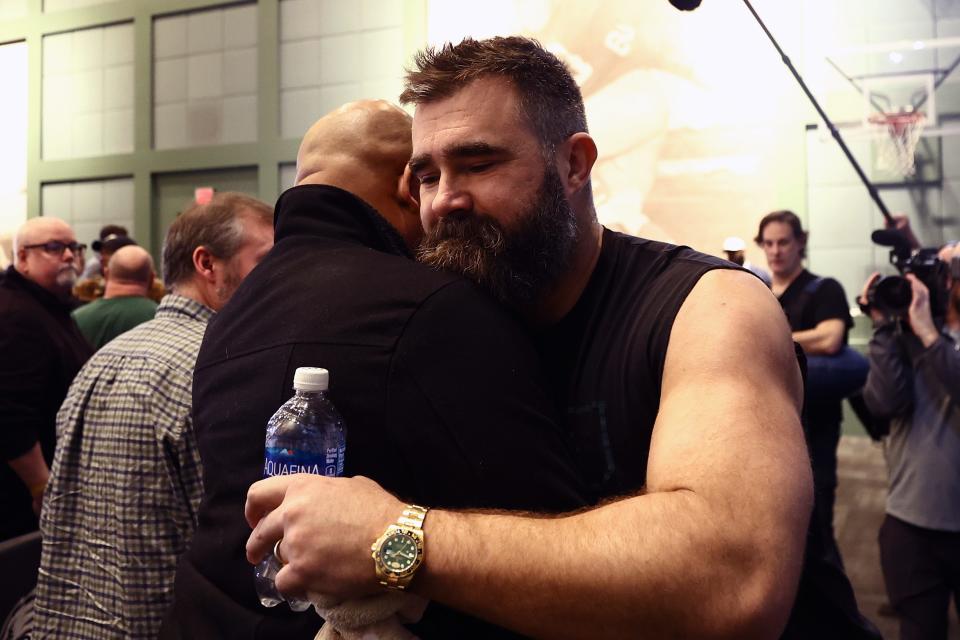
55, 247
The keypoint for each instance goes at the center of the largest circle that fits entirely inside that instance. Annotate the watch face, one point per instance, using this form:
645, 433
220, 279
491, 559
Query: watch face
398, 552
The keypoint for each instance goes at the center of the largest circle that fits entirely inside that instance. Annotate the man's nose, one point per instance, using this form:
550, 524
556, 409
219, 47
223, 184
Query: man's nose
451, 196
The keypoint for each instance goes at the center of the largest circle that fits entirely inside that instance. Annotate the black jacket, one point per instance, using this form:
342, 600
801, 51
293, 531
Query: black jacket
439, 388
41, 350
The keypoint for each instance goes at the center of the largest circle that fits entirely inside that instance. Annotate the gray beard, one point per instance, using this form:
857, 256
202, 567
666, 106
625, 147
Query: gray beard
66, 279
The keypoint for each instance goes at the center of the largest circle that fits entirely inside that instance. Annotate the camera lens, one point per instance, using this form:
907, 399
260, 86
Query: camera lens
893, 294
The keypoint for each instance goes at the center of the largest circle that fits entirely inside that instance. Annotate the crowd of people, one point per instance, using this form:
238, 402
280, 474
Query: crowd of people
553, 399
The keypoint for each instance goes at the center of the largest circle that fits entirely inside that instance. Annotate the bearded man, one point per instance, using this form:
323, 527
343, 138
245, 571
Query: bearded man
703, 465
440, 389
41, 350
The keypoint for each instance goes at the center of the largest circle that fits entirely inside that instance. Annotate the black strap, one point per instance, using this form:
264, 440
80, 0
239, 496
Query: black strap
804, 297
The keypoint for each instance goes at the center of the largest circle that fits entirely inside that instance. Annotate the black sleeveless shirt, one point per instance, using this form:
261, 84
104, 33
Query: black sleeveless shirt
606, 361
606, 356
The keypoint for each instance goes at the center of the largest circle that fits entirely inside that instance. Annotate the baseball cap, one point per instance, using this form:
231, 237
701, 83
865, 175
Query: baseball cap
733, 243
112, 242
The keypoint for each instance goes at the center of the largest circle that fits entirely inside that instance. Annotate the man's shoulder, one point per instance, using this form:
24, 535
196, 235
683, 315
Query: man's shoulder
820, 288
661, 274
164, 343
664, 257
305, 258
87, 310
135, 305
21, 311
349, 275
341, 295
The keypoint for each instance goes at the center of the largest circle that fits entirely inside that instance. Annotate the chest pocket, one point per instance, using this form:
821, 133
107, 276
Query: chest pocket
590, 440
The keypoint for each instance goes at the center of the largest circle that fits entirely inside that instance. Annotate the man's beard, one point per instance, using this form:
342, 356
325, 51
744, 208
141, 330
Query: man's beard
516, 265
66, 278
231, 282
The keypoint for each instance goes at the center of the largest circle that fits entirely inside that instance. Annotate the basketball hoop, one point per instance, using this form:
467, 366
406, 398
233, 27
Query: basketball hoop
896, 149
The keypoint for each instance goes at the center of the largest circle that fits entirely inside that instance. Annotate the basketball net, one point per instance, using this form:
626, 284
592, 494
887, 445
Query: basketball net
896, 150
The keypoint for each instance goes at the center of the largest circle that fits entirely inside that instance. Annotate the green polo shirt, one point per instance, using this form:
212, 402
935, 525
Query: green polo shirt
102, 320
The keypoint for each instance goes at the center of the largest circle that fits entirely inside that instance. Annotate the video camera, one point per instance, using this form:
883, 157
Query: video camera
891, 295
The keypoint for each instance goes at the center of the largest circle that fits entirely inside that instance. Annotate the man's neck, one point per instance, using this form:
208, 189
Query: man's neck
561, 298
115, 289
780, 283
195, 293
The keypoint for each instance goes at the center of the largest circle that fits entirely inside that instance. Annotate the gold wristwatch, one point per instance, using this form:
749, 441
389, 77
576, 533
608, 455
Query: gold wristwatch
398, 553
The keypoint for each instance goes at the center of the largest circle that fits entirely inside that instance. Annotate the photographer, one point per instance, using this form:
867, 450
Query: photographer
914, 382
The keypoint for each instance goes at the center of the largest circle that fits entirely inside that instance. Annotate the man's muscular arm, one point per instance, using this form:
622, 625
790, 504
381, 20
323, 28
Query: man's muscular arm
712, 549
825, 339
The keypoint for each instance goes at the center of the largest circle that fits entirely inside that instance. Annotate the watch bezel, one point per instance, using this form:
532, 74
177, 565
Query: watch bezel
416, 535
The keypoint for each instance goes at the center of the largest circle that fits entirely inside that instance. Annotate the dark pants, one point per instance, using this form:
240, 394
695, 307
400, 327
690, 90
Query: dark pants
921, 569
822, 440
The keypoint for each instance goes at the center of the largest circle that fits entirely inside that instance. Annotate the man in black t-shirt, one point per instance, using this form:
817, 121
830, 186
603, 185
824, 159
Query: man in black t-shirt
709, 540
819, 318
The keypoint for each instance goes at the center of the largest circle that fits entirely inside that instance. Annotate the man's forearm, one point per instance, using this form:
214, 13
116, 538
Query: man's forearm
817, 342
658, 565
31, 468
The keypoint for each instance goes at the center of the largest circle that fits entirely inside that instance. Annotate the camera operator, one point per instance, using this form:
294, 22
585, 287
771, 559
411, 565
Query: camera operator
914, 382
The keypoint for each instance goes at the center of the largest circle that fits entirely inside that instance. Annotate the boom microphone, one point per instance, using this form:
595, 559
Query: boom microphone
891, 238
685, 5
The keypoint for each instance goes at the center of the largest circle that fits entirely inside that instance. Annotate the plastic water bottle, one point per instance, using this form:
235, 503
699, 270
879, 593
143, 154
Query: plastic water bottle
305, 435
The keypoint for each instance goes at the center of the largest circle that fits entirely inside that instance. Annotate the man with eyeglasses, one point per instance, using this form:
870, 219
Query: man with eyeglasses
41, 350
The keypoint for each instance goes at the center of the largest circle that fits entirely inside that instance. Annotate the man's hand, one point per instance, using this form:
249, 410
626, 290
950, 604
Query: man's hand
33, 472
921, 319
901, 223
327, 526
875, 314
36, 494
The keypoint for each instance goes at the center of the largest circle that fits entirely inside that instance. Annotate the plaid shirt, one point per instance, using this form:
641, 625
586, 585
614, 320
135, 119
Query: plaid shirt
126, 482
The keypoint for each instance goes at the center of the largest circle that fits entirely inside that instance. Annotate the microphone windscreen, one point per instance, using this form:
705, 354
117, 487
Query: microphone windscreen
685, 5
890, 238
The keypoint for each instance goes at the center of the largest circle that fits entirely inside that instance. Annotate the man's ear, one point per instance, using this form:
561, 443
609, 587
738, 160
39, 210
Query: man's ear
408, 222
409, 189
575, 160
203, 263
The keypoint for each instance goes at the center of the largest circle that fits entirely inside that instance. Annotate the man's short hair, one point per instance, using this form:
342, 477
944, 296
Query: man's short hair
550, 99
787, 217
216, 225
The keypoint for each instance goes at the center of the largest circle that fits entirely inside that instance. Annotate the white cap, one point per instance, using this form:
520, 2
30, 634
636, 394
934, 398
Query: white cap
311, 379
733, 243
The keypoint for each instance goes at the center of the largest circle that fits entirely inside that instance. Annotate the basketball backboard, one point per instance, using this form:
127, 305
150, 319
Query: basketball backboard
870, 90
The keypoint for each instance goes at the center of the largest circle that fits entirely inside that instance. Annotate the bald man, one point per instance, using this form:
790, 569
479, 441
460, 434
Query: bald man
125, 303
440, 390
41, 351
